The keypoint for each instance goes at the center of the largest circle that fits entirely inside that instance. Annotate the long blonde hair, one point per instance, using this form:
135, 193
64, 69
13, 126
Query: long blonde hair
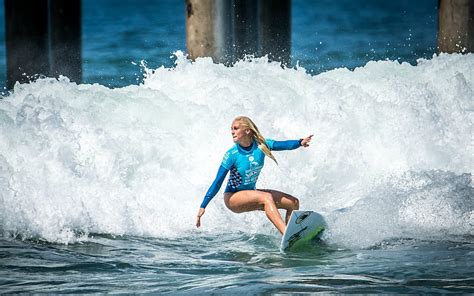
246, 122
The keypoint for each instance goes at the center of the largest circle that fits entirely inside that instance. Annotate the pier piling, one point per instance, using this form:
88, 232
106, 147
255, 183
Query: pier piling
43, 37
26, 33
275, 29
455, 26
227, 30
209, 29
245, 28
65, 39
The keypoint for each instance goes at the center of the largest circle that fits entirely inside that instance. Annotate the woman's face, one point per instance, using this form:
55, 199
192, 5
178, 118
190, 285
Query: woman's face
238, 132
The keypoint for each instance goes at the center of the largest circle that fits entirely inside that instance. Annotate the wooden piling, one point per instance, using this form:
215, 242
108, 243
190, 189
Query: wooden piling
456, 26
209, 29
245, 28
26, 32
275, 30
66, 45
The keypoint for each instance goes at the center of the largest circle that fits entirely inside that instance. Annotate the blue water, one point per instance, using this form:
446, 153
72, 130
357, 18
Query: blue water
100, 182
236, 263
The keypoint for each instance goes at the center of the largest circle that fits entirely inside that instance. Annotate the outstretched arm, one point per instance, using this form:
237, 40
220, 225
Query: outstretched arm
216, 185
291, 144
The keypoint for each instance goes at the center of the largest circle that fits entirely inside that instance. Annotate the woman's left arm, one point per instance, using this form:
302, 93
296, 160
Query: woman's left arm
291, 144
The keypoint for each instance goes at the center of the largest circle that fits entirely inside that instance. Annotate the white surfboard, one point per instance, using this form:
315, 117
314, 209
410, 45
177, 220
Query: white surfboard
303, 227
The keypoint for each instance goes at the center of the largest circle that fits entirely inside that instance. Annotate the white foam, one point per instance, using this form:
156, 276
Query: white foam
76, 159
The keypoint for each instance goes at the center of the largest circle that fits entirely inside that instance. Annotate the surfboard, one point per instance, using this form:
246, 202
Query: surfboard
303, 227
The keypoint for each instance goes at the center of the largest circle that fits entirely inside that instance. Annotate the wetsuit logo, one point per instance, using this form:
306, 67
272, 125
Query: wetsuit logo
252, 161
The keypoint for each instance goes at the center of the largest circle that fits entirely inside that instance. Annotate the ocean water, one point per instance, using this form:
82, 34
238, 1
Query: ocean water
100, 182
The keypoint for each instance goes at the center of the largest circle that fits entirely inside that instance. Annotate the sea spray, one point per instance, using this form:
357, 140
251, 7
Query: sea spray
427, 205
82, 159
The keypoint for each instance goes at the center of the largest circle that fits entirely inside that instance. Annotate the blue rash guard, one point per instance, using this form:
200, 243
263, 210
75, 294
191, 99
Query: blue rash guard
244, 165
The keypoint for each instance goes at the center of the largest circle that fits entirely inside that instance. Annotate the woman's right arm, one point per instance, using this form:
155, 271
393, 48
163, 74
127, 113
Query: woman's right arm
216, 185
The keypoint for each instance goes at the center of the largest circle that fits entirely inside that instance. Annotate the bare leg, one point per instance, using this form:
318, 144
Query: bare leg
284, 201
267, 200
288, 216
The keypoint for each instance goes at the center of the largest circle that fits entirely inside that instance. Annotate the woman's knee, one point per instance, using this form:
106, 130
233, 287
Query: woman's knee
266, 198
296, 203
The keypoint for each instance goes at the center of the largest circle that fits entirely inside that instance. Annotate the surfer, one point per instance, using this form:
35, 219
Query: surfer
245, 161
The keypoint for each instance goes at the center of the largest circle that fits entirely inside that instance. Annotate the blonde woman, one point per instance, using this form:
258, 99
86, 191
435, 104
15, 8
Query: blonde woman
245, 161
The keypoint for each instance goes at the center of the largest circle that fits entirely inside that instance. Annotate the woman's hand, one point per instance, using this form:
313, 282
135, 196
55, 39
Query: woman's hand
305, 141
199, 215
